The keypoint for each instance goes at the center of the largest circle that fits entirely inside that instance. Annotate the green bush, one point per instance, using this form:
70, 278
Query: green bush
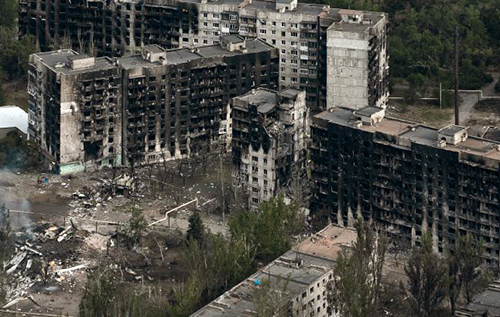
497, 87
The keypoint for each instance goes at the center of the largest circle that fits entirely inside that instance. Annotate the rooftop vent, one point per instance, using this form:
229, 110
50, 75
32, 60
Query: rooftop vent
286, 5
371, 115
453, 134
154, 54
351, 16
81, 61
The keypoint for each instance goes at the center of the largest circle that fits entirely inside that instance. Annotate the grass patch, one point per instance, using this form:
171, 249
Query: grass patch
435, 116
421, 113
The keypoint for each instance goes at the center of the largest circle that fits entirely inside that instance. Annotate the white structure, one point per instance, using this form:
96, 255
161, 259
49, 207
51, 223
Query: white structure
13, 118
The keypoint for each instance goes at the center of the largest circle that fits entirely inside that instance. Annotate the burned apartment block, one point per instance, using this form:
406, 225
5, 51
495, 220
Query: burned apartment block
74, 112
108, 27
270, 130
322, 49
407, 178
141, 109
176, 102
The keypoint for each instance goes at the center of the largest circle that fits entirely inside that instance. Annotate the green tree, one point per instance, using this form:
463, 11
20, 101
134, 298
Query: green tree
2, 93
8, 12
355, 288
219, 263
270, 297
427, 279
180, 302
98, 295
136, 225
14, 55
271, 230
464, 262
196, 229
6, 249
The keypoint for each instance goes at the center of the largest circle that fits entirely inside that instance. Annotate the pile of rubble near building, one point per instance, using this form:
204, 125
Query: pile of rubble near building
35, 262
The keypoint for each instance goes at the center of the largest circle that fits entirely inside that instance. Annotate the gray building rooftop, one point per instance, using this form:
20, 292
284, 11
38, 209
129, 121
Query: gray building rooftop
485, 304
368, 111
185, 55
310, 9
58, 61
410, 132
289, 93
370, 19
299, 267
264, 99
452, 129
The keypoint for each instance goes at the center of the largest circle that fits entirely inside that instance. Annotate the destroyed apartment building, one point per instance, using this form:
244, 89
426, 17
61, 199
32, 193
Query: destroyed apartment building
74, 109
90, 112
270, 130
322, 49
298, 280
407, 178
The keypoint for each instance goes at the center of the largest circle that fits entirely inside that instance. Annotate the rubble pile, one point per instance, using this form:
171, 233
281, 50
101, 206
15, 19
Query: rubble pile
98, 196
43, 255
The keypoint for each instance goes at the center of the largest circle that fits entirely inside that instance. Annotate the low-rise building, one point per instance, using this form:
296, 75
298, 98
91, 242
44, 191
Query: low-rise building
486, 304
270, 130
300, 277
13, 120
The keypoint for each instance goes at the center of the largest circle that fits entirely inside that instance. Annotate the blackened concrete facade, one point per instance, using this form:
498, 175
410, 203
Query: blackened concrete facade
322, 49
74, 109
177, 103
156, 106
407, 178
108, 27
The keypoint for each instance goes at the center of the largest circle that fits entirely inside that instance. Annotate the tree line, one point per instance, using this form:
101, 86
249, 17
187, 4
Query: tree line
435, 285
215, 263
421, 43
15, 51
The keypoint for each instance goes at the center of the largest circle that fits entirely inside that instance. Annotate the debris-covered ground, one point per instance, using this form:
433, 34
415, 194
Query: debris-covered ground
65, 225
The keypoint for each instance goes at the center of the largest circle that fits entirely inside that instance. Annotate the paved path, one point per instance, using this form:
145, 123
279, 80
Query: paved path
468, 100
489, 89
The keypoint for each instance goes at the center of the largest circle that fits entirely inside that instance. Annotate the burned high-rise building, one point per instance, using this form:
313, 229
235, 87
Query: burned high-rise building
357, 61
176, 102
322, 49
269, 143
407, 178
146, 108
108, 27
75, 110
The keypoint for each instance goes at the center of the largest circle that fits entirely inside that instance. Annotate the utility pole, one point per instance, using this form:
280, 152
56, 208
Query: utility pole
440, 96
457, 114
